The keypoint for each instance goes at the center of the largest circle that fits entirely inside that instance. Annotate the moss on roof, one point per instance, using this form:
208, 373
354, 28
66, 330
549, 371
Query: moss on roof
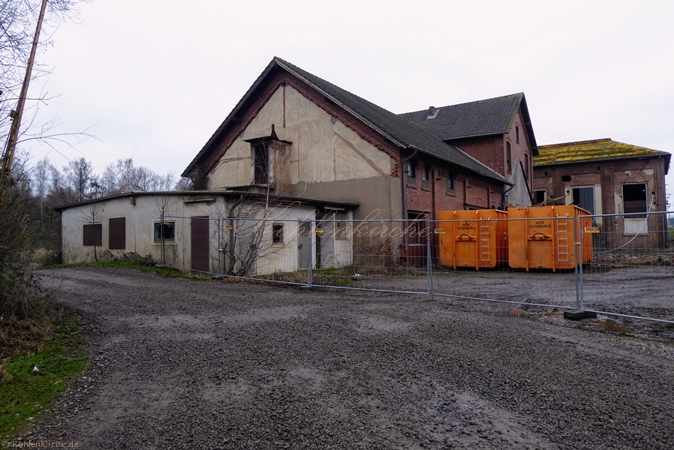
595, 150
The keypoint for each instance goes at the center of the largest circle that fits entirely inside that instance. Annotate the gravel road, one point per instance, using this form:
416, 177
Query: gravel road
187, 364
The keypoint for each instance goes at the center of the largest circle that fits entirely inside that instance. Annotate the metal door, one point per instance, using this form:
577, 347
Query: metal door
304, 244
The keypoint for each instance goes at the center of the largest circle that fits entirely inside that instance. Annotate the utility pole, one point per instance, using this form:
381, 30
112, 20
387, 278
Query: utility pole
8, 154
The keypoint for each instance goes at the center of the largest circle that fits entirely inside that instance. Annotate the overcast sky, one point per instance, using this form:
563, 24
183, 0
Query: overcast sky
153, 79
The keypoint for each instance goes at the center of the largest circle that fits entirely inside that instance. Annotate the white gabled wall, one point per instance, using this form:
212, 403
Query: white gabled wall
323, 149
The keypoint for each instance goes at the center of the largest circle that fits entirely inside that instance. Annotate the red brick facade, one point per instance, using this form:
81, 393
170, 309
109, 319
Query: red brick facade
559, 180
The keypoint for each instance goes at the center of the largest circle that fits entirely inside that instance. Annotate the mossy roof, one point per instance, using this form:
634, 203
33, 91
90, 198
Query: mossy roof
594, 150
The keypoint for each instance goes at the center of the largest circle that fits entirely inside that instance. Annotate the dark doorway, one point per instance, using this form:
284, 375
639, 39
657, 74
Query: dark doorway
200, 244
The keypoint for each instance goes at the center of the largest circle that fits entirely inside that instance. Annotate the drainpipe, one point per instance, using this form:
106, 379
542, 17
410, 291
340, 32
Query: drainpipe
404, 178
505, 196
231, 233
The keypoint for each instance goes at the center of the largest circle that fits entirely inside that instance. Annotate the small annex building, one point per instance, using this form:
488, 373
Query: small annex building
606, 177
195, 230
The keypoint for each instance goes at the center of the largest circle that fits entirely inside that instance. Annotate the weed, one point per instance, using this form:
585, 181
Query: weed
26, 392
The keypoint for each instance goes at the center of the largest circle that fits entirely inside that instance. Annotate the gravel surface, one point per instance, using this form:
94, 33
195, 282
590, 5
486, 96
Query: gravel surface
186, 364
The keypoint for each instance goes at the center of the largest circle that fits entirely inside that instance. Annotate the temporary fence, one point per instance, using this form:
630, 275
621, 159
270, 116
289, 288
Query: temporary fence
618, 265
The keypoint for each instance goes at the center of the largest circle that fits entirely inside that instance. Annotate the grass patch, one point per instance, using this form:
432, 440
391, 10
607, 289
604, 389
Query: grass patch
165, 271
25, 393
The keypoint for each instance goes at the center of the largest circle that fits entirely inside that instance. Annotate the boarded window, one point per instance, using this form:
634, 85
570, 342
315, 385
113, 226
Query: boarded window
584, 197
517, 134
92, 234
526, 167
277, 233
634, 198
167, 230
509, 166
117, 234
261, 156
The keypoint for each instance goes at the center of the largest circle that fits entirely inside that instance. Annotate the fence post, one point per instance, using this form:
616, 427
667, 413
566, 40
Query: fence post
162, 257
580, 266
576, 246
310, 273
429, 259
220, 253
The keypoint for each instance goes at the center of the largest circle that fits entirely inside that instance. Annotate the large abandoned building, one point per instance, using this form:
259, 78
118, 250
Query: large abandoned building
607, 177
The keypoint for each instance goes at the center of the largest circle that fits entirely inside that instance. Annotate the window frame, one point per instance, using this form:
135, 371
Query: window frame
277, 233
261, 175
638, 214
509, 154
411, 170
451, 183
172, 240
545, 195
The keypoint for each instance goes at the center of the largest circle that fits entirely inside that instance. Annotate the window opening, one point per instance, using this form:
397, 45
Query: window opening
261, 155
167, 229
411, 169
451, 178
584, 197
635, 199
508, 157
540, 196
277, 233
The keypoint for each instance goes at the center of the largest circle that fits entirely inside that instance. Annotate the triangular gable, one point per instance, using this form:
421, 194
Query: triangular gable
395, 130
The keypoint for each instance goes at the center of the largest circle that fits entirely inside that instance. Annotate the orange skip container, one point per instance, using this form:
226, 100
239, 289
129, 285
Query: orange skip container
475, 238
543, 237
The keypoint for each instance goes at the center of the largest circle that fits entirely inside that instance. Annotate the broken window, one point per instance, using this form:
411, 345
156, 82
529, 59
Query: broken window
411, 169
92, 234
166, 229
277, 233
566, 178
635, 199
540, 196
508, 158
584, 198
261, 161
426, 176
117, 234
451, 178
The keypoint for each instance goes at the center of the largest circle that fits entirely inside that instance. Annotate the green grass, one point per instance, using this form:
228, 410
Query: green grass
25, 393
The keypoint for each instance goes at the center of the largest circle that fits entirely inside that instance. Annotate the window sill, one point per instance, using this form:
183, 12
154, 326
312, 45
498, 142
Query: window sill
451, 193
413, 186
165, 243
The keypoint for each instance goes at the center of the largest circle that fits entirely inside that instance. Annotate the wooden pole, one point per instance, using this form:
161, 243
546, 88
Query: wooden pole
8, 154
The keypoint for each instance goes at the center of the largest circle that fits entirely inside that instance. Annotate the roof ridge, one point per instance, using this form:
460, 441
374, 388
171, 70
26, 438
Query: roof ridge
521, 94
563, 144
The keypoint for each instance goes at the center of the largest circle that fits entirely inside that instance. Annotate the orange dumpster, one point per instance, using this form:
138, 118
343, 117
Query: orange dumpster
544, 237
473, 238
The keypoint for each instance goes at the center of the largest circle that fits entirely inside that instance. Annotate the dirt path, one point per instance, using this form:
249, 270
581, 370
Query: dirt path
185, 364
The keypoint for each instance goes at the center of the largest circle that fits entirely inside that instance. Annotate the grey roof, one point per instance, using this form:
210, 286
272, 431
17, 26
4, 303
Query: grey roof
274, 199
401, 132
480, 118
